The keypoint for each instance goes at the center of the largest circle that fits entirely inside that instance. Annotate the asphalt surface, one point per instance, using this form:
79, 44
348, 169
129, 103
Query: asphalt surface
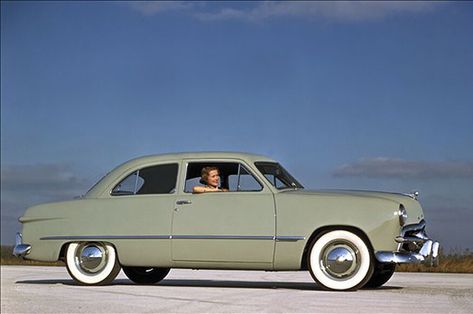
50, 290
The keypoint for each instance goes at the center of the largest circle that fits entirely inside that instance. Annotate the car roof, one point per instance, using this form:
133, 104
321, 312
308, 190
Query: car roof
199, 155
145, 161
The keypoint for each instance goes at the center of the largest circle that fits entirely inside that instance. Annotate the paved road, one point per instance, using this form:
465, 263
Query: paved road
50, 289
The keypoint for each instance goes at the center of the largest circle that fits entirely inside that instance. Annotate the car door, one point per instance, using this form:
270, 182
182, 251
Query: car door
139, 215
225, 229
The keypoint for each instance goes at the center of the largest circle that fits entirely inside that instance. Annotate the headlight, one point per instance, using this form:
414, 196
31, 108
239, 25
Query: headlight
402, 215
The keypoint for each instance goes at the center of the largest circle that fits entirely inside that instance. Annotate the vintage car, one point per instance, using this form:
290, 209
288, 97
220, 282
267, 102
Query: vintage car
142, 217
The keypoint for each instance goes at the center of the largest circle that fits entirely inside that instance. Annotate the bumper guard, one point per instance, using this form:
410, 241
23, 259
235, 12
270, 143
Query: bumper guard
21, 249
415, 247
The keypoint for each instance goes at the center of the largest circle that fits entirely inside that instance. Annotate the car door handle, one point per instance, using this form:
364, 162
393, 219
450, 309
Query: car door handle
183, 202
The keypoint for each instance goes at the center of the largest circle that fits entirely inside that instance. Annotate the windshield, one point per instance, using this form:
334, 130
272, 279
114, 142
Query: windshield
278, 176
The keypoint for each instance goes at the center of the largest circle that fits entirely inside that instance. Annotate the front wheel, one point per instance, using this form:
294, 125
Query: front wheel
381, 275
92, 263
145, 275
340, 260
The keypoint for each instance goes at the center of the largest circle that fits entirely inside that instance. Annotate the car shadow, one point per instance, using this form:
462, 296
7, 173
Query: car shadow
191, 283
206, 284
238, 284
48, 282
383, 288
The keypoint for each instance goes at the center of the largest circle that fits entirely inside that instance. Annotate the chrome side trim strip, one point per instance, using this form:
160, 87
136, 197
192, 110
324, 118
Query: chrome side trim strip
222, 237
180, 237
289, 238
102, 237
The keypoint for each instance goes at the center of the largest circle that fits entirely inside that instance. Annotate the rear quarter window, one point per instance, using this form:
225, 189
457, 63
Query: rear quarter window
159, 179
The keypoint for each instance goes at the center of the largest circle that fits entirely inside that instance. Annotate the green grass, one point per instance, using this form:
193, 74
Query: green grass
453, 262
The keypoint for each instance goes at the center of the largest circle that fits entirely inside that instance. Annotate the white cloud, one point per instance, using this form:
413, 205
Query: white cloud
343, 11
382, 167
50, 179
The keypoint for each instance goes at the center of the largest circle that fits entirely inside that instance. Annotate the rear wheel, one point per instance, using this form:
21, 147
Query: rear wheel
340, 260
145, 275
92, 263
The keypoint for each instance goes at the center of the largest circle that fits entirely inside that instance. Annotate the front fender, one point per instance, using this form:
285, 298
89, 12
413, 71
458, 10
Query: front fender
302, 215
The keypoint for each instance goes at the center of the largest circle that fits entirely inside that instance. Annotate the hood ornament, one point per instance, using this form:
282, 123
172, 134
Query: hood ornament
413, 195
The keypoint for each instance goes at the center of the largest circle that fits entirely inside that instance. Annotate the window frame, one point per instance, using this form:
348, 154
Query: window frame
298, 186
240, 163
137, 171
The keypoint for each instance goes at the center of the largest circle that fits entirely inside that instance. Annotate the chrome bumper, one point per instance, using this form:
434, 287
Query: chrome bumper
21, 249
414, 248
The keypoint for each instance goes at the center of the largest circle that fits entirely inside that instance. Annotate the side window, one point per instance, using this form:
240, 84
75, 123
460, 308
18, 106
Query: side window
277, 175
129, 185
243, 181
233, 176
159, 179
194, 171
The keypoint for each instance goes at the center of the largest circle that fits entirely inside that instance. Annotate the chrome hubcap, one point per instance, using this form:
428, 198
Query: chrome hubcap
91, 257
340, 260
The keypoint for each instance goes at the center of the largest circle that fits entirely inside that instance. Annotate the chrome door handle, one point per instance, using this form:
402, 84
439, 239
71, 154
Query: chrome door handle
183, 202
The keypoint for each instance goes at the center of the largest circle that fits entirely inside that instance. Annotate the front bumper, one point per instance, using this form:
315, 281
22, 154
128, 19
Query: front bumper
415, 247
21, 249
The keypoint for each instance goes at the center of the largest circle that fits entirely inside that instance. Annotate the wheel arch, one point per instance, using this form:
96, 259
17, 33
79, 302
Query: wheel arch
62, 251
324, 229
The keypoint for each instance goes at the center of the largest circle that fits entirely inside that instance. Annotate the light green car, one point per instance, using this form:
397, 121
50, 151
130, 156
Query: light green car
143, 217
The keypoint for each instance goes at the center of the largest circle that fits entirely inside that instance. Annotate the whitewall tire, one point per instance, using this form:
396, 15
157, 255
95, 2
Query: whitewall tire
340, 260
92, 263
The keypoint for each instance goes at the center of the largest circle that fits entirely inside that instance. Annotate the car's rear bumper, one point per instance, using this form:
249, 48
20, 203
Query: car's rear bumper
415, 247
21, 249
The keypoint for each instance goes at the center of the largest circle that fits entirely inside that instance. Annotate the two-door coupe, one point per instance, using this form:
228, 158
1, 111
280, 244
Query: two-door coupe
142, 217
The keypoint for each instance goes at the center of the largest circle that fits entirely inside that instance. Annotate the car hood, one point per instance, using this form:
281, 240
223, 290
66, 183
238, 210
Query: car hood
413, 207
395, 197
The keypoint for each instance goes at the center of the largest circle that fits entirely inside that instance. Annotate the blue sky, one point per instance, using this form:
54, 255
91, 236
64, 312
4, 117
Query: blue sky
368, 95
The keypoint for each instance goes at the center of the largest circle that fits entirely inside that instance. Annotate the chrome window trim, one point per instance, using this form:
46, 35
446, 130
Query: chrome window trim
238, 174
136, 181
